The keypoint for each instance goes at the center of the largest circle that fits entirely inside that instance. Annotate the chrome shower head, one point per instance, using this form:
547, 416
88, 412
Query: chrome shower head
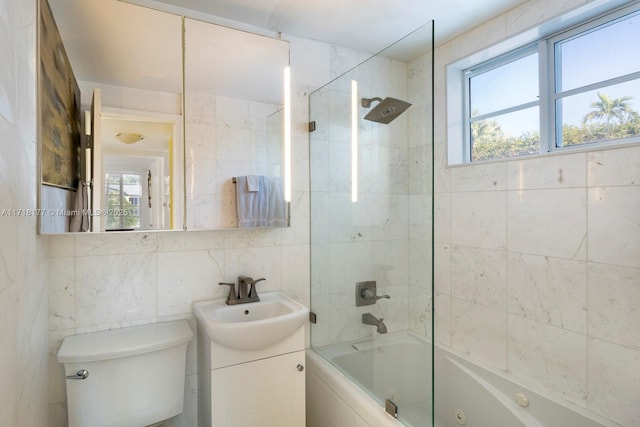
386, 111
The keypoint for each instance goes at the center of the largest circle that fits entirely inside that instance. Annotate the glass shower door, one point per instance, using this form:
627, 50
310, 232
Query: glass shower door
370, 166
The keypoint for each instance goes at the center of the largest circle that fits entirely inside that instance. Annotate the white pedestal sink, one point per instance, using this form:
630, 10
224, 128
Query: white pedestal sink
254, 325
251, 362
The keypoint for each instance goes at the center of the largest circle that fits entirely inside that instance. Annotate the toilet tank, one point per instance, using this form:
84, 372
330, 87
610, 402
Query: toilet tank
136, 375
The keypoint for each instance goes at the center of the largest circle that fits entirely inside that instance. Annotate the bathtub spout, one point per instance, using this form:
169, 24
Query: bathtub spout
370, 319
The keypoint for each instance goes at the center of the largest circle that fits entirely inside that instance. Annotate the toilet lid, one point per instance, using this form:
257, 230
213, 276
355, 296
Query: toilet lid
124, 342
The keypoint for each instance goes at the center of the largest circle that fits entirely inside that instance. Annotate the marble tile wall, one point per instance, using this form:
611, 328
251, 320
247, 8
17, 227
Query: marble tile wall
420, 200
108, 281
226, 137
538, 260
23, 254
116, 280
369, 239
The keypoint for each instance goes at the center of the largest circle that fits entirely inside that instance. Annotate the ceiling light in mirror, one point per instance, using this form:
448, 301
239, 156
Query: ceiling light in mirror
128, 137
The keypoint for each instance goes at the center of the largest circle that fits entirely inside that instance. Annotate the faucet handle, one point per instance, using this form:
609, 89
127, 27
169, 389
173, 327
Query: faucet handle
366, 293
252, 291
232, 291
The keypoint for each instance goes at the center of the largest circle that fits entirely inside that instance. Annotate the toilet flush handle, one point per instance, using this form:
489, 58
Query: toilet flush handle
82, 374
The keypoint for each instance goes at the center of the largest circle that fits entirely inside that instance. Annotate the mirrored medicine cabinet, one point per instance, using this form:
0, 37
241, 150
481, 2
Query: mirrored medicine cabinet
147, 117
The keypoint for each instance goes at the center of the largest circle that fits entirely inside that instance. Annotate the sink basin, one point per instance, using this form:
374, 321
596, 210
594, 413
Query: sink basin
254, 325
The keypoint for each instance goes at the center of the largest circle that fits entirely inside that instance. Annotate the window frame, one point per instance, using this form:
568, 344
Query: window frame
554, 94
541, 39
484, 67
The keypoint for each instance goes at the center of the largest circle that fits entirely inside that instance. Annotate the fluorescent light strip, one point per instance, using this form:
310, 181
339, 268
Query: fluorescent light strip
287, 134
354, 141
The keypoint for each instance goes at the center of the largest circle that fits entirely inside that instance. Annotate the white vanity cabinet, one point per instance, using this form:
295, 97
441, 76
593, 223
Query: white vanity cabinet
266, 393
264, 388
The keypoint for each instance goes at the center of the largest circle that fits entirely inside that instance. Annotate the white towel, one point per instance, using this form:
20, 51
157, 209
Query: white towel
253, 183
252, 206
277, 205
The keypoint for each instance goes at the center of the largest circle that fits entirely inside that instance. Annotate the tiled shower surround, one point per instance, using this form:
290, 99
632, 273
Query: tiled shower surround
375, 237
535, 275
537, 260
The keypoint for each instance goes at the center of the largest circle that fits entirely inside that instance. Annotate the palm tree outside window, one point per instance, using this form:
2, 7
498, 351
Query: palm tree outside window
597, 82
580, 86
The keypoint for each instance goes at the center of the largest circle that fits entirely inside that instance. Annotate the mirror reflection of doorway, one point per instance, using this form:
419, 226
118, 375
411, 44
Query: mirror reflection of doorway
137, 161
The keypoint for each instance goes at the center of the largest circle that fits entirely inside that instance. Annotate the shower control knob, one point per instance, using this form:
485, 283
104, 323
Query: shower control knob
300, 368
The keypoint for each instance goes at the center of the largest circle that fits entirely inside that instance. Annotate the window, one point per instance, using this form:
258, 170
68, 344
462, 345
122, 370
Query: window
597, 82
123, 192
577, 87
504, 107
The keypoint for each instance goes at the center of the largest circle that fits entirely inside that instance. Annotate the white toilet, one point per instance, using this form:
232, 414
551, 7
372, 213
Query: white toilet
128, 377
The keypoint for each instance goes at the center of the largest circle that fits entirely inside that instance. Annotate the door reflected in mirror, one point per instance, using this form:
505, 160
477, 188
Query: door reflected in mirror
137, 155
125, 65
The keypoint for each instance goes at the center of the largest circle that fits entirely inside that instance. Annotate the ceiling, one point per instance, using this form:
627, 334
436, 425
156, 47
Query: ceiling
368, 25
117, 50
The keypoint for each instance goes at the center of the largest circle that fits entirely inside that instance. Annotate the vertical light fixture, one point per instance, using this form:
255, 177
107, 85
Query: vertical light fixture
354, 141
287, 134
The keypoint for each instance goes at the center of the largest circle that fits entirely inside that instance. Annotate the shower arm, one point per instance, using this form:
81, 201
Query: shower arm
366, 102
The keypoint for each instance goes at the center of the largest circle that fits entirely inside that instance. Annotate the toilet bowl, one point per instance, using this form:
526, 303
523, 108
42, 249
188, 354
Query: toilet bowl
129, 377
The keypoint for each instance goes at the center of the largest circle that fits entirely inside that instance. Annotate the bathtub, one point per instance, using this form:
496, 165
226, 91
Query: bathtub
342, 392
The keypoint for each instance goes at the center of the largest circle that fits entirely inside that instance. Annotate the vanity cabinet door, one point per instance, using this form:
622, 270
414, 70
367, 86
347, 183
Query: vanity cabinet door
266, 393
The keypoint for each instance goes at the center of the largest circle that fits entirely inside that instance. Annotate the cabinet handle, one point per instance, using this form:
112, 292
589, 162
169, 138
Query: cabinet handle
300, 367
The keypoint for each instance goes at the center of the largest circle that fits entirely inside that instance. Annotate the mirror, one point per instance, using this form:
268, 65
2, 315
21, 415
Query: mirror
113, 150
148, 148
234, 91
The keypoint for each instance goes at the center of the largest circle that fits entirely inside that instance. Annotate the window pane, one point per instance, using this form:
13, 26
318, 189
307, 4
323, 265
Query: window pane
606, 52
609, 113
113, 179
123, 197
131, 220
113, 201
509, 85
507, 135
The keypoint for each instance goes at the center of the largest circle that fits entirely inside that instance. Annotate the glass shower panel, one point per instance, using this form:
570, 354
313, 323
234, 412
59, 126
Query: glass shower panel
371, 225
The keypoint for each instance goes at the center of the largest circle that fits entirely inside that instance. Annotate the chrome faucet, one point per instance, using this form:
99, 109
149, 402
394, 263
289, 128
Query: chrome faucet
370, 319
246, 291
